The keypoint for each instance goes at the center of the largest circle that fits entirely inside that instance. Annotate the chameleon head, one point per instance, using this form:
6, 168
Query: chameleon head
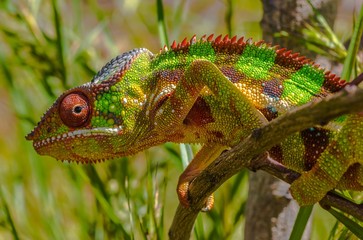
67, 131
97, 120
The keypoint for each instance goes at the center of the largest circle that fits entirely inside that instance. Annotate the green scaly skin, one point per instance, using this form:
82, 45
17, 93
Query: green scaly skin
209, 91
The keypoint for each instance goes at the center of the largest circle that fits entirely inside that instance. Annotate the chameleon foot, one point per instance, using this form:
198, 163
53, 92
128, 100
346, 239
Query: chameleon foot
202, 159
183, 195
182, 191
208, 205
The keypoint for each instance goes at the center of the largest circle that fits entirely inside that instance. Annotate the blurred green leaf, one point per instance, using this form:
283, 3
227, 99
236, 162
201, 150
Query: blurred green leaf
301, 221
350, 224
350, 60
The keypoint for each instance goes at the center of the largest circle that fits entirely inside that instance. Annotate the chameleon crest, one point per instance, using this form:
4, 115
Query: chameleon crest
209, 91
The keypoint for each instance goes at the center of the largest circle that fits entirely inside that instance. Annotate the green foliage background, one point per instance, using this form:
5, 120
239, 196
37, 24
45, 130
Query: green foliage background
47, 47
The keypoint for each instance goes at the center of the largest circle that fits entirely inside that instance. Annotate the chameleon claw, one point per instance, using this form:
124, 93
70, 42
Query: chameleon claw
183, 195
209, 203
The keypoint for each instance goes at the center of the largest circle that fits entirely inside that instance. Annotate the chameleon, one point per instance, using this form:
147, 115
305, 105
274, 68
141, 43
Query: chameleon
213, 91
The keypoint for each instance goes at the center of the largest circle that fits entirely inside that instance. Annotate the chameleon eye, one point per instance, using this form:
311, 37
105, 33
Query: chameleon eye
74, 109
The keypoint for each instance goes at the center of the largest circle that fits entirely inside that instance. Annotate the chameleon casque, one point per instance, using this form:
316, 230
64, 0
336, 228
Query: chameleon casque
209, 91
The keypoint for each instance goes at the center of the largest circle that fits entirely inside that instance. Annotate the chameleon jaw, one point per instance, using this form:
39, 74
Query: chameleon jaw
101, 131
71, 146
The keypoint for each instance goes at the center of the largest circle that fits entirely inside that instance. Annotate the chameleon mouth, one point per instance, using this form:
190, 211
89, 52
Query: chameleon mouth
81, 133
80, 146
30, 136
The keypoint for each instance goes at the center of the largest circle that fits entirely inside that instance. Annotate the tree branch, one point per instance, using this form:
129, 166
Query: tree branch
252, 150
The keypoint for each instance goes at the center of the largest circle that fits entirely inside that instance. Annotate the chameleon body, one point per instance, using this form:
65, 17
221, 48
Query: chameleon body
209, 91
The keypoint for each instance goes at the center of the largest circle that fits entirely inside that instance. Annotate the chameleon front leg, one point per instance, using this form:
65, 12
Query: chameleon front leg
202, 159
199, 75
342, 152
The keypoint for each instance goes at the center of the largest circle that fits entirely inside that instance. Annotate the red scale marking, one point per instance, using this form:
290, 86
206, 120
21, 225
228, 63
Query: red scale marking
200, 114
268, 113
233, 75
315, 141
276, 153
273, 88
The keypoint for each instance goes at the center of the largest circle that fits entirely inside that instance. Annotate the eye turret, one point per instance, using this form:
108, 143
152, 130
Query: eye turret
75, 109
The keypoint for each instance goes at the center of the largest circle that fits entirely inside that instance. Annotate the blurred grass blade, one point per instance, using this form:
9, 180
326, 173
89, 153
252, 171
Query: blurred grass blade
321, 39
199, 228
349, 223
229, 16
60, 42
174, 155
8, 215
161, 226
333, 231
161, 24
353, 47
153, 195
101, 195
329, 32
6, 70
130, 206
186, 153
301, 221
179, 16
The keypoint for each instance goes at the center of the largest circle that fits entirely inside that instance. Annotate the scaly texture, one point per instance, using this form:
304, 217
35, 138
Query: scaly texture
209, 91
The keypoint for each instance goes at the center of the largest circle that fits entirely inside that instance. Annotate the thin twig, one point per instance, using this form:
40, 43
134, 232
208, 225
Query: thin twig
245, 154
